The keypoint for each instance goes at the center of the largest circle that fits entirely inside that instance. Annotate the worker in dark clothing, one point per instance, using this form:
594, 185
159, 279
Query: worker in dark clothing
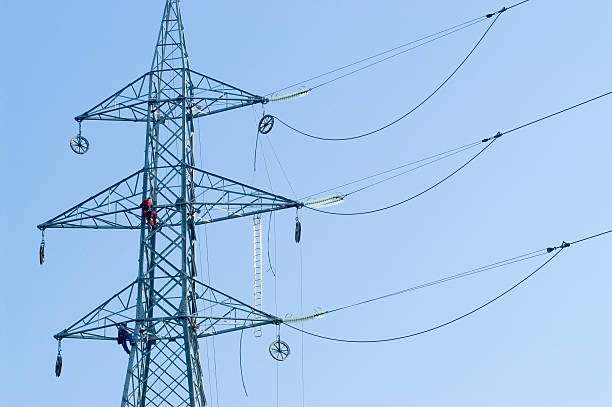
124, 336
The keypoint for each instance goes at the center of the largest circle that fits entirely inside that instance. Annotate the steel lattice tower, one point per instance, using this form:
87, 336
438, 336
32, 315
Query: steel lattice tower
166, 309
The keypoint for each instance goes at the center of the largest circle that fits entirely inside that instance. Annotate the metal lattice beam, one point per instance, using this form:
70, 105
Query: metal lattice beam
216, 198
217, 313
132, 102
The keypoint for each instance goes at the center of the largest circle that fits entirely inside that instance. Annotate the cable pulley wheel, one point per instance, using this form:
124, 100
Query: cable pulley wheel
79, 144
266, 123
279, 350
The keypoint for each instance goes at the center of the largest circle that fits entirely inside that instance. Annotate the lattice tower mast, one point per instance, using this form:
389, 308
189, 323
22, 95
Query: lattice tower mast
172, 308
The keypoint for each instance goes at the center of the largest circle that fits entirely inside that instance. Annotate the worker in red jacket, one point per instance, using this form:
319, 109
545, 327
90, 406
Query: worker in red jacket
149, 214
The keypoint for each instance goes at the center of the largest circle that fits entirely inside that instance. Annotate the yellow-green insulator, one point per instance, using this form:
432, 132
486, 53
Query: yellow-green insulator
301, 318
289, 96
327, 201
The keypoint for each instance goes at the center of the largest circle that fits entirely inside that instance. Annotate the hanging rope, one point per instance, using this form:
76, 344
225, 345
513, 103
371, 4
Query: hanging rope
241, 375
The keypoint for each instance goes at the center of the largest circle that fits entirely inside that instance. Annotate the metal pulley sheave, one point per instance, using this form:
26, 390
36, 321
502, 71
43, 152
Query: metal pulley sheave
265, 124
279, 350
78, 143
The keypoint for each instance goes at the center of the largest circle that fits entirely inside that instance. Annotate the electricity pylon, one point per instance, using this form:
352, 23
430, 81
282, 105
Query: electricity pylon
166, 309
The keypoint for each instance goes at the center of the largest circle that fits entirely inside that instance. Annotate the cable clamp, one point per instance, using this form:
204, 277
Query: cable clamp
498, 135
497, 12
564, 245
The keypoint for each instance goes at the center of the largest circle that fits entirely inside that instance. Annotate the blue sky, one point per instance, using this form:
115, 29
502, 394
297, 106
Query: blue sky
546, 343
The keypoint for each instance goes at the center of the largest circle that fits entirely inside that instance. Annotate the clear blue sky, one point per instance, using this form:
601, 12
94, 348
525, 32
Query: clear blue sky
547, 343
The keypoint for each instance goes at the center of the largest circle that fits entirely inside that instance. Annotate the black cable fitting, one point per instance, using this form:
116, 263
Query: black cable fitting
564, 245
497, 12
498, 135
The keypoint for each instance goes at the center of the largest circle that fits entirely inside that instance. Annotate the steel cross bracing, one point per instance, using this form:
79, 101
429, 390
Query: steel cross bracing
166, 309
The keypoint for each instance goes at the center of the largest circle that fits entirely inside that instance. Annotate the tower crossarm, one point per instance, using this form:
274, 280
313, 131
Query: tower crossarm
215, 199
115, 207
217, 313
133, 102
212, 96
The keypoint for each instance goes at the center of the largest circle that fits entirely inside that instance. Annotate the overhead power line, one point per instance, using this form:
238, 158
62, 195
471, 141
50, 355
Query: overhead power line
468, 273
557, 250
395, 51
489, 141
400, 48
417, 106
406, 168
396, 338
428, 39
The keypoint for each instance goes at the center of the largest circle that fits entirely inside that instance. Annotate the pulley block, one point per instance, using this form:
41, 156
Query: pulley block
279, 350
79, 144
266, 123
